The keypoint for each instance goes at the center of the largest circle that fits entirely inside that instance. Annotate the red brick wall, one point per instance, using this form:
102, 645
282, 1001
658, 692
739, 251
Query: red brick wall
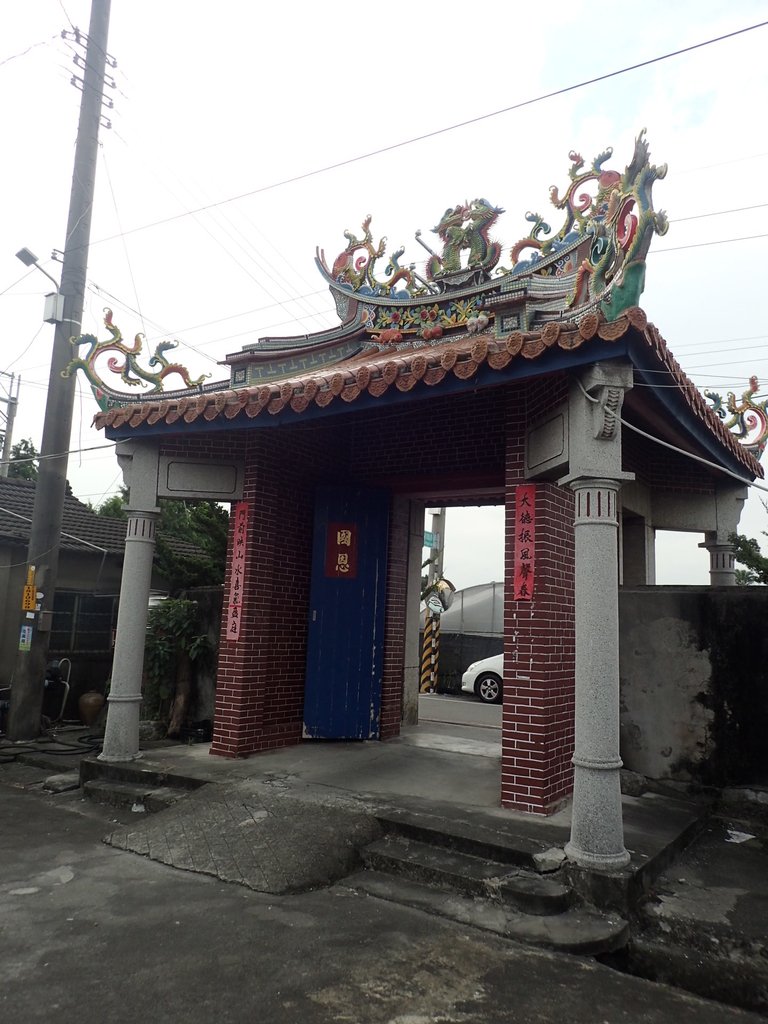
394, 620
539, 661
660, 468
464, 440
260, 684
260, 681
539, 637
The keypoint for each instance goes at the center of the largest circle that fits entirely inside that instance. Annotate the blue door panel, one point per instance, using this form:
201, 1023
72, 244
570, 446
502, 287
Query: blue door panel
342, 698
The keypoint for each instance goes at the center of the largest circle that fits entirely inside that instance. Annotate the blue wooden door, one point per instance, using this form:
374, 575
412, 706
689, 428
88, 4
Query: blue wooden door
342, 697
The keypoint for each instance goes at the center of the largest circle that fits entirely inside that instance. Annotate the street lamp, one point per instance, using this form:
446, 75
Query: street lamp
53, 312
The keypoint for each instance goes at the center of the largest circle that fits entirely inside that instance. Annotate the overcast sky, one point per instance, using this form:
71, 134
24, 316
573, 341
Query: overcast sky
220, 106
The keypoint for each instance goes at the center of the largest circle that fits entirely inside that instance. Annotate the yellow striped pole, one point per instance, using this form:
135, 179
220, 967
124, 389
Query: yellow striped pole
430, 650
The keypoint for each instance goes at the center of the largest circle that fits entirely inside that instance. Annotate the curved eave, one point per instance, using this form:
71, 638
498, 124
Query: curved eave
374, 376
267, 348
685, 406
310, 347
458, 364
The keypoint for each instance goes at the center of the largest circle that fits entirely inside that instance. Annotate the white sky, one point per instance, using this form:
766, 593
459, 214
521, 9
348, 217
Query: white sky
213, 102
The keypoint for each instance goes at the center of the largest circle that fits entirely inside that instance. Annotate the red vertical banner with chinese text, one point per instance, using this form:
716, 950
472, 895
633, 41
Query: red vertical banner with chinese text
341, 551
525, 542
237, 578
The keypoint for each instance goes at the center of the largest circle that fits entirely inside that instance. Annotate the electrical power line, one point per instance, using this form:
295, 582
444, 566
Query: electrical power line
438, 131
718, 213
701, 245
23, 53
72, 451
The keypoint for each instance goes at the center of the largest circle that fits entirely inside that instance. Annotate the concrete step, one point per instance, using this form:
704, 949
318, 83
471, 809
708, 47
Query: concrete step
468, 874
463, 834
132, 772
136, 797
579, 930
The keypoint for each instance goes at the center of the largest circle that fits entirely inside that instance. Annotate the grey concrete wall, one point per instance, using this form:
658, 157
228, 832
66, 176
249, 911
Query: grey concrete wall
694, 683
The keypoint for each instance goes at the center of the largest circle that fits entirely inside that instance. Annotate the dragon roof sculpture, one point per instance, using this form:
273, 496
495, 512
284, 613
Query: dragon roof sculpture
747, 419
591, 270
594, 262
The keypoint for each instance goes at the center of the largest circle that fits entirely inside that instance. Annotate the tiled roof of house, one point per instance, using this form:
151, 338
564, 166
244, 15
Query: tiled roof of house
82, 529
404, 368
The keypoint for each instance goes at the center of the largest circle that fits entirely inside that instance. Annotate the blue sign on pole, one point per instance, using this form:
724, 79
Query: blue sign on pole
429, 539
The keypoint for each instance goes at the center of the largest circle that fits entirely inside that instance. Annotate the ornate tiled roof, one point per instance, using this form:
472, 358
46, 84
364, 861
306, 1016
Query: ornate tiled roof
593, 265
467, 312
374, 374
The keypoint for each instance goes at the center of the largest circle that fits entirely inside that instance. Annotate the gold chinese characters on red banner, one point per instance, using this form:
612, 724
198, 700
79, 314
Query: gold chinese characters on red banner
237, 580
525, 542
341, 551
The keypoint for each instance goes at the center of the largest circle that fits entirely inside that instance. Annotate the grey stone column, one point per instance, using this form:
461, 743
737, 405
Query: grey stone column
139, 463
729, 503
121, 740
597, 833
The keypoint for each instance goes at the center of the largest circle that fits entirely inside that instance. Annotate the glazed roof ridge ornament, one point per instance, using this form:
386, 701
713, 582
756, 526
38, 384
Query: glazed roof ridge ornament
595, 262
130, 371
592, 269
748, 419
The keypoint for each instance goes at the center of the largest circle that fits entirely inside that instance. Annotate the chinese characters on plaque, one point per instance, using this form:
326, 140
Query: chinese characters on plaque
341, 551
235, 607
525, 541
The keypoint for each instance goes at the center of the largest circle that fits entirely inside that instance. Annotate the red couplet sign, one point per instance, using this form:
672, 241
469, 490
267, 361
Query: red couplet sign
341, 551
525, 541
237, 580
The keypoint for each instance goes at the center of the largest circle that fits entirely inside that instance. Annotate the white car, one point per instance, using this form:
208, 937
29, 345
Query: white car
485, 679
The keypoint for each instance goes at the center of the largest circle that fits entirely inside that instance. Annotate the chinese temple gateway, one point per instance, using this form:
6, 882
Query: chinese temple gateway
528, 377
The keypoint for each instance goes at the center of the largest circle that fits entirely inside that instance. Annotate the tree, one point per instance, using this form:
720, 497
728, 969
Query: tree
114, 507
747, 552
191, 549
175, 641
23, 462
202, 524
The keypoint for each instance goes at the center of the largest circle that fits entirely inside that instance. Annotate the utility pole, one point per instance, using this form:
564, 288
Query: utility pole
12, 401
27, 683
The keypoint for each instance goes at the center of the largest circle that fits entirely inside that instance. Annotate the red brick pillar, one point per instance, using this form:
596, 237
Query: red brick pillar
393, 668
539, 655
237, 718
260, 678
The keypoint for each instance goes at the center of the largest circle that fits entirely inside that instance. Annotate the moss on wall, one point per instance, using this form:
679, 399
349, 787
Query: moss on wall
732, 625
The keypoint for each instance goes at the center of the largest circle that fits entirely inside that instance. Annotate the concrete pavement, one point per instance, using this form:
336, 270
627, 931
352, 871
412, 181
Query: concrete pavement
287, 820
94, 935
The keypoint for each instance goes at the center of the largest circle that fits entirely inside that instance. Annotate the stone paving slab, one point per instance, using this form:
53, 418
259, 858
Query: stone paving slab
268, 840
